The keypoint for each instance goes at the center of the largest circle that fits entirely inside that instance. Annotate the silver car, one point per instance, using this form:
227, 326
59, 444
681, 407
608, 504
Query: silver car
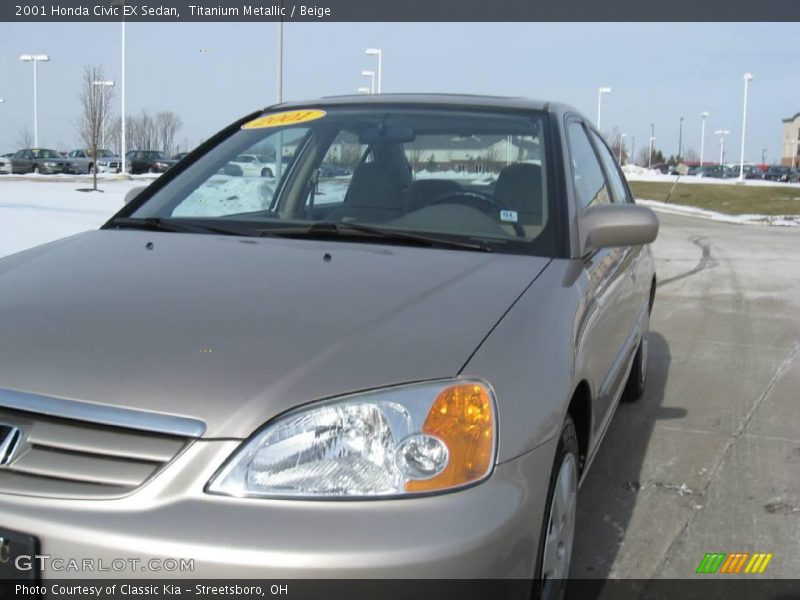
400, 373
105, 161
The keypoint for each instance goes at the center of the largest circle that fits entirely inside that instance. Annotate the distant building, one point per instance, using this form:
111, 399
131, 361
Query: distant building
790, 141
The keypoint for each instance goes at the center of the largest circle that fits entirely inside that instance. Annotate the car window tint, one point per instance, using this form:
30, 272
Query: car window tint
618, 188
588, 178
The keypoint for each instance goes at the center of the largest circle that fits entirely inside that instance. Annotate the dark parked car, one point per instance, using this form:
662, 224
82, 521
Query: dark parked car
329, 170
715, 171
41, 160
778, 173
148, 161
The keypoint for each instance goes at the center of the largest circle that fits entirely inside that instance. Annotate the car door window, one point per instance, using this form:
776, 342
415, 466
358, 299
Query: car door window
618, 187
587, 176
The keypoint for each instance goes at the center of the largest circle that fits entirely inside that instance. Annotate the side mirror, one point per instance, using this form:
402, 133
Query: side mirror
133, 193
613, 225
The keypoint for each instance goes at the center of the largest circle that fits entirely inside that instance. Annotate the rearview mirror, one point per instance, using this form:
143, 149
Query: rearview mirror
133, 193
614, 225
386, 134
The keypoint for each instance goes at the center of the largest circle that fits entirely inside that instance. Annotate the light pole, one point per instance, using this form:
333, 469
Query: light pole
600, 92
35, 58
763, 156
363, 90
680, 141
652, 141
371, 75
122, 141
704, 116
279, 99
379, 53
721, 133
105, 83
622, 137
748, 77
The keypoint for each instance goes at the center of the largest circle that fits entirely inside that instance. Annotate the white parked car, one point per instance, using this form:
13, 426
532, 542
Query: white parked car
5, 165
253, 165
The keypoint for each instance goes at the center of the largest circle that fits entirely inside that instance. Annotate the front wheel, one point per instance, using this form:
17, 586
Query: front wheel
558, 529
35, 169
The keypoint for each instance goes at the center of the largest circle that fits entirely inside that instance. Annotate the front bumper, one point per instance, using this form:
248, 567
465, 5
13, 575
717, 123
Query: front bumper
490, 530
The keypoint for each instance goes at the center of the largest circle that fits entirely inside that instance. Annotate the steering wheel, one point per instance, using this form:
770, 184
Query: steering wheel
485, 204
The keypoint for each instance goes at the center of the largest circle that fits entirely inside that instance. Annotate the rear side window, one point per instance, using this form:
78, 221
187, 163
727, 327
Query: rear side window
614, 177
587, 176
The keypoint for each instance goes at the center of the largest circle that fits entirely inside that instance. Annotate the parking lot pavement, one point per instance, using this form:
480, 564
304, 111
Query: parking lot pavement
709, 459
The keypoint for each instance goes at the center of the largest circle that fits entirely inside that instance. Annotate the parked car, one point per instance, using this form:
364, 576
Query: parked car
714, 171
105, 161
254, 165
180, 156
41, 160
329, 170
777, 173
421, 371
5, 165
148, 161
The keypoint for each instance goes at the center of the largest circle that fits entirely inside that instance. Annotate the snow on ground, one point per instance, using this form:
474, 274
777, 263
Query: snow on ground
39, 209
635, 173
778, 220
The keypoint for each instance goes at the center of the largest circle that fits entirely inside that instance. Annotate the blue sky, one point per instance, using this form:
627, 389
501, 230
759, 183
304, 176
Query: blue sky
211, 73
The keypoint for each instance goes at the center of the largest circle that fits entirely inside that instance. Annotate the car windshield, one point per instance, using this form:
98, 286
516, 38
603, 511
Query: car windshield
444, 173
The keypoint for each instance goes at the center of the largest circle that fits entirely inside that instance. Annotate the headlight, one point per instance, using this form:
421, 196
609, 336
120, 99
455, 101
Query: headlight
396, 441
50, 164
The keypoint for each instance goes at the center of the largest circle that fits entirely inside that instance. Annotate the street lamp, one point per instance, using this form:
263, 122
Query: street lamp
622, 137
371, 75
748, 77
721, 133
680, 141
652, 141
363, 90
600, 92
104, 83
379, 53
704, 116
35, 58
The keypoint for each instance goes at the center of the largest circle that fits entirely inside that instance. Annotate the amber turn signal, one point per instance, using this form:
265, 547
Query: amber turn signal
462, 416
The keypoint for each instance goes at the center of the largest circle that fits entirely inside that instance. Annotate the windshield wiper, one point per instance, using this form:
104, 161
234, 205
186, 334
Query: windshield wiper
174, 226
325, 229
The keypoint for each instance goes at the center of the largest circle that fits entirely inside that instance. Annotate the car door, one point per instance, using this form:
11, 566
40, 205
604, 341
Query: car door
605, 324
22, 162
636, 289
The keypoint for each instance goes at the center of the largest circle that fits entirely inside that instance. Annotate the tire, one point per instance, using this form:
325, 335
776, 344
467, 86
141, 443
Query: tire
151, 170
266, 173
35, 170
557, 534
637, 379
91, 169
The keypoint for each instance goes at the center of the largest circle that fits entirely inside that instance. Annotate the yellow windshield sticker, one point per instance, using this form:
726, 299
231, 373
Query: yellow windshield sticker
281, 119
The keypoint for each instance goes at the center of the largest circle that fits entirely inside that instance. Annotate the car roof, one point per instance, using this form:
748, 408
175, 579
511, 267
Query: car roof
438, 100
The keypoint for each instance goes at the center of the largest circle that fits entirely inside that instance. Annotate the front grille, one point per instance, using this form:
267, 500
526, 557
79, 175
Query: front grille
68, 458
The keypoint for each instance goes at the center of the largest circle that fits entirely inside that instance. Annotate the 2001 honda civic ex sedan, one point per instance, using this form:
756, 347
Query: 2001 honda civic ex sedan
403, 370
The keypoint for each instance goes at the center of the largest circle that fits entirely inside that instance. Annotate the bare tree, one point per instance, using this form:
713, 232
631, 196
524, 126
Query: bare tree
414, 157
24, 138
95, 114
167, 124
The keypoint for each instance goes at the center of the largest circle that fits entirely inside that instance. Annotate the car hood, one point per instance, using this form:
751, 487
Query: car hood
235, 330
